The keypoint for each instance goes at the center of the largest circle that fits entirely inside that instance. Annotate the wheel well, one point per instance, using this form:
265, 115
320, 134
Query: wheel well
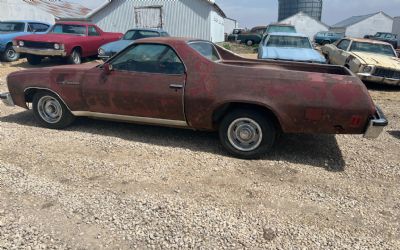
30, 93
223, 110
79, 49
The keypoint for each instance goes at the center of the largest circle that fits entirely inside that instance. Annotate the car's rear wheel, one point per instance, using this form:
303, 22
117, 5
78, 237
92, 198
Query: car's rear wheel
75, 57
50, 111
247, 134
249, 42
34, 59
10, 55
325, 42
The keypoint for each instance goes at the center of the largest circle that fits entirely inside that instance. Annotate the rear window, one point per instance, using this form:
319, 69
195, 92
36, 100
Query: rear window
139, 34
289, 42
206, 49
285, 29
12, 27
69, 29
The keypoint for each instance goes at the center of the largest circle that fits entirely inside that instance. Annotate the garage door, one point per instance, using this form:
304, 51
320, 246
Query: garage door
149, 17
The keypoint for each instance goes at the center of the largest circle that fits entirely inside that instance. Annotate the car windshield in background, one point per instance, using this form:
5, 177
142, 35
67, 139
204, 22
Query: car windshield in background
69, 29
206, 49
286, 29
373, 48
289, 42
139, 34
11, 27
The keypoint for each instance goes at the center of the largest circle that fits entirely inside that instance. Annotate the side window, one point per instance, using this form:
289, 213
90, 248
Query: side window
145, 34
38, 27
206, 49
343, 45
149, 58
92, 31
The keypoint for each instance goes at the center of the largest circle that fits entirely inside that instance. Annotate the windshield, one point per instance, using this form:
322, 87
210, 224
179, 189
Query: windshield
138, 34
286, 29
79, 30
289, 42
12, 27
382, 49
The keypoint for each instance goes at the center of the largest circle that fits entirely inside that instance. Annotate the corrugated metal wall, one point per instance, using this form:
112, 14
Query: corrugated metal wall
182, 18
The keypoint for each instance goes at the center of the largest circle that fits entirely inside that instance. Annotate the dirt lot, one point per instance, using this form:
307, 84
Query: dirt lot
111, 185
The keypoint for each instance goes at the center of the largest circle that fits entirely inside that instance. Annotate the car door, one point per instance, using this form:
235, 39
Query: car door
147, 81
95, 40
338, 56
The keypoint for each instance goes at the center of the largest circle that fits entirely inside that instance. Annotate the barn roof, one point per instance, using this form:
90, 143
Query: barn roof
356, 19
106, 3
61, 9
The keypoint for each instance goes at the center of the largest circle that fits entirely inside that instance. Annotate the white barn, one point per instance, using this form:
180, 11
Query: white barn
359, 26
396, 26
201, 19
305, 24
230, 25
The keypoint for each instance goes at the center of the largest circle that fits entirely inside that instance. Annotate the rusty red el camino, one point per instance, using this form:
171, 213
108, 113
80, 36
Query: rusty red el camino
198, 85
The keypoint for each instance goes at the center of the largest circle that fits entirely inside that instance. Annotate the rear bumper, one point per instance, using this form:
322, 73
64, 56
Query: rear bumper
40, 52
378, 79
376, 125
7, 99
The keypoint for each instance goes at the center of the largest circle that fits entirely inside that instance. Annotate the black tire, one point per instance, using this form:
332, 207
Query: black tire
265, 142
33, 59
10, 55
65, 117
75, 57
249, 42
325, 42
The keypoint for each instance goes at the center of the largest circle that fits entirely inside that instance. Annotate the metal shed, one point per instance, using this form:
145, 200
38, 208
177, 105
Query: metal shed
21, 10
183, 18
305, 24
359, 26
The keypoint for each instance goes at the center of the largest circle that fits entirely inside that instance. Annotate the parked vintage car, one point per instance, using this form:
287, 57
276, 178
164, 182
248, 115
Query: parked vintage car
110, 49
385, 37
12, 29
327, 37
197, 85
248, 37
71, 40
289, 47
371, 60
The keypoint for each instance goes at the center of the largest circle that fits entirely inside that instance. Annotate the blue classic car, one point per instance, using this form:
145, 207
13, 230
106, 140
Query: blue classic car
110, 49
289, 47
327, 37
11, 29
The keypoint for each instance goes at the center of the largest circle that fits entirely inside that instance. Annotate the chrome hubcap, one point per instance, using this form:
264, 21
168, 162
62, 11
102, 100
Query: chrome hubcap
11, 54
77, 59
245, 134
49, 109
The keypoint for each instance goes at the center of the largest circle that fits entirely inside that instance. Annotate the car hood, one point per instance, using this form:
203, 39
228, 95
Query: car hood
6, 36
116, 46
378, 60
293, 54
49, 38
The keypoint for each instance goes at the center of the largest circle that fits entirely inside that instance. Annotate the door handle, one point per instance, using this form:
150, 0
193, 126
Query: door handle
176, 86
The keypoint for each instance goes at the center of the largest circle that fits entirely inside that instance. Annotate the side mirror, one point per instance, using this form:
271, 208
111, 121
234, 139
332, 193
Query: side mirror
107, 68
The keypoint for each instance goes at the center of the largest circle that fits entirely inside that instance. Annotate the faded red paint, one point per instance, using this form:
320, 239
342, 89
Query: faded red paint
89, 44
306, 98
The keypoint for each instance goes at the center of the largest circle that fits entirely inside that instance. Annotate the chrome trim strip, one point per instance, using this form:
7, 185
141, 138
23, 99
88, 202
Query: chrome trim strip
40, 88
40, 52
126, 118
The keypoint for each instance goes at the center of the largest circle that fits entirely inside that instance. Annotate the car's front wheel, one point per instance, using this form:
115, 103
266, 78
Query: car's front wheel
247, 134
249, 42
34, 59
75, 57
50, 111
10, 55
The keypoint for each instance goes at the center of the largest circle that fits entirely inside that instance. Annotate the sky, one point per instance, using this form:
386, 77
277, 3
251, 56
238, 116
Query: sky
251, 13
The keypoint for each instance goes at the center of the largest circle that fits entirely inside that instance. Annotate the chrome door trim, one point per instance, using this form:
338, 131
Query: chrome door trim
135, 119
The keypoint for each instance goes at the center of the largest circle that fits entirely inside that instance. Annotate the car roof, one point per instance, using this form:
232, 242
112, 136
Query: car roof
167, 40
24, 21
145, 29
364, 40
287, 34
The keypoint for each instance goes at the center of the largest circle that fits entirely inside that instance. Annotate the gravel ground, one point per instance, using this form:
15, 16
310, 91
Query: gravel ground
105, 185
